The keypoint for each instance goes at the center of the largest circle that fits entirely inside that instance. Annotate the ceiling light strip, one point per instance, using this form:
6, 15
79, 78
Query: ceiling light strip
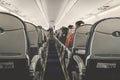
66, 10
62, 10
40, 6
3, 9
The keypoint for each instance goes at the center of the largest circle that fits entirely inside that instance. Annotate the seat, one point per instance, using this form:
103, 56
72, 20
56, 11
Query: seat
14, 60
80, 40
35, 59
39, 28
33, 39
43, 45
103, 50
76, 64
44, 36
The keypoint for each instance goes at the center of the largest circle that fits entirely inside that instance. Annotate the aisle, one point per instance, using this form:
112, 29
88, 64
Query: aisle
53, 68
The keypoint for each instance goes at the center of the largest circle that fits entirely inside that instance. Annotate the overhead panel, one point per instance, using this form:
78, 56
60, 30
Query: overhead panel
80, 10
26, 9
56, 12
84, 9
52, 9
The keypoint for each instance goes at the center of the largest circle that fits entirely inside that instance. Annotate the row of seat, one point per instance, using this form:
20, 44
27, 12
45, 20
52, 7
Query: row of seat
99, 49
21, 48
95, 51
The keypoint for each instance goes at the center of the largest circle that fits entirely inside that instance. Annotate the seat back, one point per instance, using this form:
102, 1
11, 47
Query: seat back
32, 34
13, 43
33, 38
43, 36
81, 36
39, 28
104, 50
104, 40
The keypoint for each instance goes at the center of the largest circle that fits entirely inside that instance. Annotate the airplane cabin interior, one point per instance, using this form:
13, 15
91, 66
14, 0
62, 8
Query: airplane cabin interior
59, 39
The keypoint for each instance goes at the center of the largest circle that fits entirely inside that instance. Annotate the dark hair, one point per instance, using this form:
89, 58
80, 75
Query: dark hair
40, 27
64, 29
70, 26
78, 23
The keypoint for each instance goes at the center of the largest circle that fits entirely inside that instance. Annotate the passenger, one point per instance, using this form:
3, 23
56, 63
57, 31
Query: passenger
71, 28
50, 30
63, 34
69, 39
78, 24
57, 32
69, 36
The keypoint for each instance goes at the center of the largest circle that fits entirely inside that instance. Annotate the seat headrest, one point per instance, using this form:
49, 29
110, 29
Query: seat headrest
104, 39
81, 36
12, 36
32, 34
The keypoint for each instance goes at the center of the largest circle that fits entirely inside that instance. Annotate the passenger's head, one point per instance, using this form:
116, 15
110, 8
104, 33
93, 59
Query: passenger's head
40, 27
64, 29
70, 27
79, 23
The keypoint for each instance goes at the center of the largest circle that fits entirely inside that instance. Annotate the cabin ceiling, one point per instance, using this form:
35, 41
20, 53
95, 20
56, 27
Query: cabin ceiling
56, 12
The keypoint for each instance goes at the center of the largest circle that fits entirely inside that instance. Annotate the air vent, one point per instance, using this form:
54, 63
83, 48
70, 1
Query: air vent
103, 8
